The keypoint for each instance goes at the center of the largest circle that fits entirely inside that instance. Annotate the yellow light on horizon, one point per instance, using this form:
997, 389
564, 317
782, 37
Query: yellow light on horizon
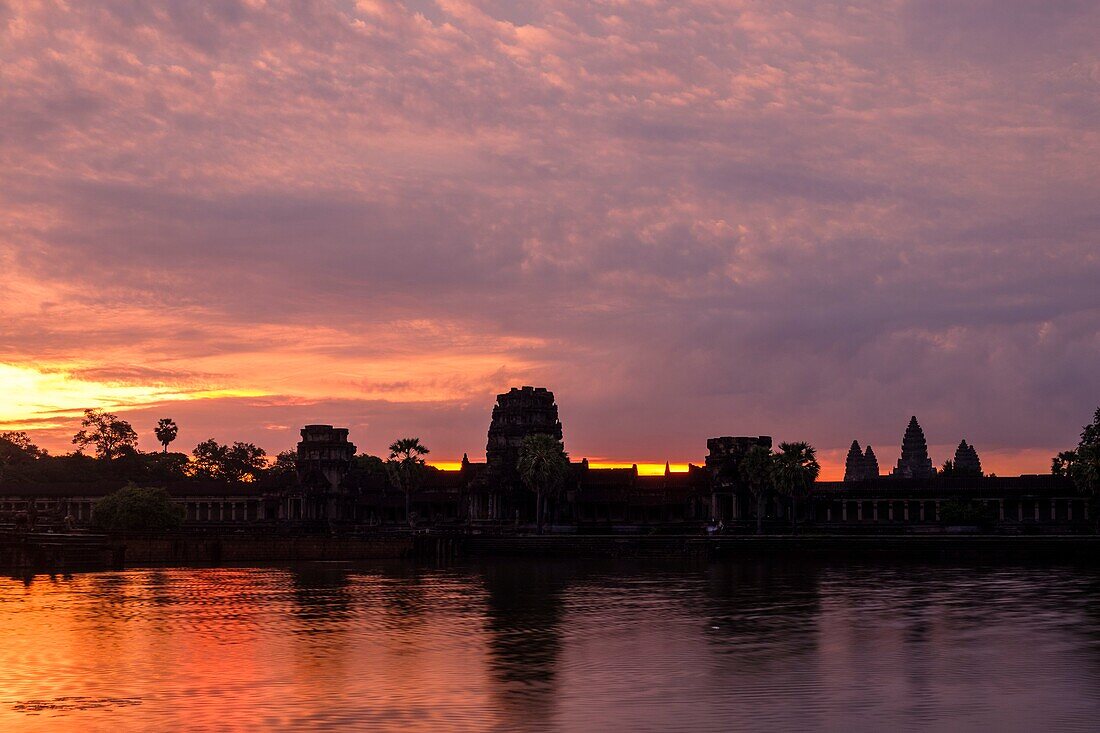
43, 398
644, 468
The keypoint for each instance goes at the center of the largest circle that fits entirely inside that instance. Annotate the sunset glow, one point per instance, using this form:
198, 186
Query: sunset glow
644, 469
38, 399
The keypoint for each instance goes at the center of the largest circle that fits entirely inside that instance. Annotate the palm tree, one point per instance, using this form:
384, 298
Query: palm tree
166, 431
407, 464
757, 473
796, 468
542, 467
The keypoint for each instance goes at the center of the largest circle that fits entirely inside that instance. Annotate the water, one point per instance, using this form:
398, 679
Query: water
569, 646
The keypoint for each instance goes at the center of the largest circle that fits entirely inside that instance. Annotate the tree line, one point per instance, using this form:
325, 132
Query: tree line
106, 449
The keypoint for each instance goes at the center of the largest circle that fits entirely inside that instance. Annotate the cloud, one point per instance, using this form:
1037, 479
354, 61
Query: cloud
798, 218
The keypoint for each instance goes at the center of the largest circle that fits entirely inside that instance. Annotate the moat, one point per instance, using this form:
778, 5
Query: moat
556, 645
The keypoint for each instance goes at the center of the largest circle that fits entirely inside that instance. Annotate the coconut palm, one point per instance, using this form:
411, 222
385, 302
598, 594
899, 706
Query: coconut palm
757, 473
407, 467
543, 464
796, 469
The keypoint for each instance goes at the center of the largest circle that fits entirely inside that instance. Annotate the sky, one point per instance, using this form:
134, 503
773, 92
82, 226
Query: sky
809, 220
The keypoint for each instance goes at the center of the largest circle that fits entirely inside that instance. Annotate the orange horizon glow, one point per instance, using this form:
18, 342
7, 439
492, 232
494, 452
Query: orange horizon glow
999, 462
645, 468
37, 398
46, 400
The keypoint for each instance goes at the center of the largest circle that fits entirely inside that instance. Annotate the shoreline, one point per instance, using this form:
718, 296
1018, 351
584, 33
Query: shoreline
61, 553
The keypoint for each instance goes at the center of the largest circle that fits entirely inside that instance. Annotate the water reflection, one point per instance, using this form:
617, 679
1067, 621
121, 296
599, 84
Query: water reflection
523, 609
580, 645
762, 613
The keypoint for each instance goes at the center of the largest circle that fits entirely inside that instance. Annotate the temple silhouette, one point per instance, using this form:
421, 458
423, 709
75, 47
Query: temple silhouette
330, 490
914, 461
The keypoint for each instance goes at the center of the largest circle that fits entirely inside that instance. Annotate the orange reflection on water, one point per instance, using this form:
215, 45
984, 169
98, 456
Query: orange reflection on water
545, 645
236, 649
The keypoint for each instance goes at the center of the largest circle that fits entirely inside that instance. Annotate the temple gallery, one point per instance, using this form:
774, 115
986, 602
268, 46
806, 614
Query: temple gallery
329, 487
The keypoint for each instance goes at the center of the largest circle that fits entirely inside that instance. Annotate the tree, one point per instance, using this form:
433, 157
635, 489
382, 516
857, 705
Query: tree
757, 473
283, 472
406, 467
796, 468
16, 447
1086, 469
1062, 463
158, 468
166, 431
136, 509
286, 463
245, 462
542, 465
1090, 434
367, 472
209, 459
1082, 465
237, 462
110, 436
18, 454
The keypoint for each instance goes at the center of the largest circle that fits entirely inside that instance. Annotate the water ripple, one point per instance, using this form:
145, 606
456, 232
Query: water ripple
554, 646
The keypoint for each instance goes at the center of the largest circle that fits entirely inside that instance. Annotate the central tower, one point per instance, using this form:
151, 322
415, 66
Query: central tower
914, 461
519, 412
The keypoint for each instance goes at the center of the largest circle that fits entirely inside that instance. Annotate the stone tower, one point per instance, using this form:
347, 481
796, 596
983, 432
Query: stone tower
518, 413
870, 462
967, 461
323, 460
724, 454
854, 466
728, 498
914, 461
860, 466
324, 457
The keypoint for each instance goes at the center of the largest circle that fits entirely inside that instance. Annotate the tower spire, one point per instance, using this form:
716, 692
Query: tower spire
914, 461
870, 462
966, 460
854, 468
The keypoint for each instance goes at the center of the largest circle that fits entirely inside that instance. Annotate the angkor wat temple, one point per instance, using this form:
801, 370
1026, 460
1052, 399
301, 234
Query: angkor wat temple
334, 489
914, 461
